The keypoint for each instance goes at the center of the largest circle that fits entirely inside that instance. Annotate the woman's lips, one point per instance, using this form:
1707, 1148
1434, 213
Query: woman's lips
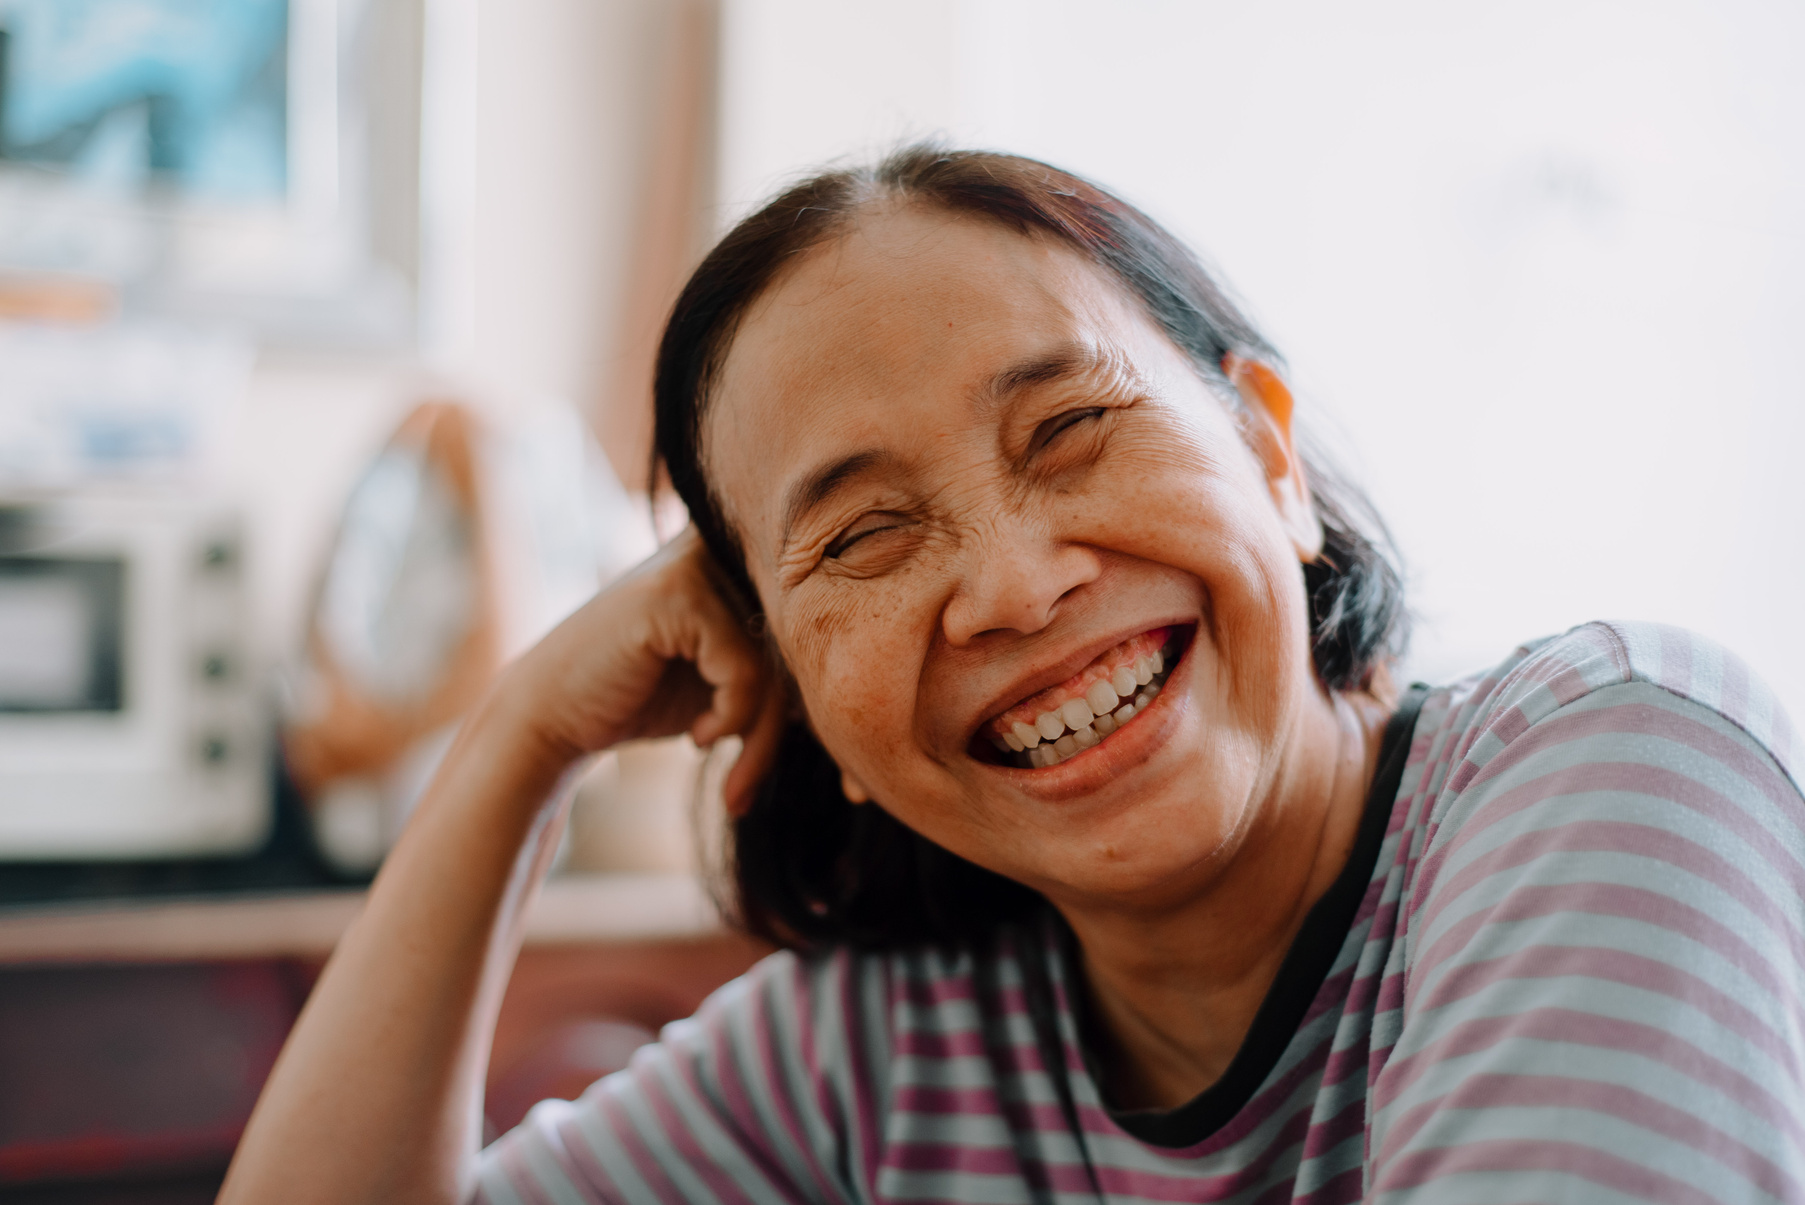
1079, 713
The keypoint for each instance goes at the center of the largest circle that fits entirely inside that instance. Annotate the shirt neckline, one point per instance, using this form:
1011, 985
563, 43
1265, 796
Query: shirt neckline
1307, 964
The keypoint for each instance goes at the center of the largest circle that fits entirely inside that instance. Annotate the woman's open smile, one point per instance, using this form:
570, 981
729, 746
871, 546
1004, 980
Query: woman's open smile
1093, 745
1063, 721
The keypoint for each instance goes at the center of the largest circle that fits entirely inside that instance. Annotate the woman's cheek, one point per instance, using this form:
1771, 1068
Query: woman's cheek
814, 627
852, 682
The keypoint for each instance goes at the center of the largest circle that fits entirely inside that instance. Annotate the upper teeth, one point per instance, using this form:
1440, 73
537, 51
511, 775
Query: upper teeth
1080, 723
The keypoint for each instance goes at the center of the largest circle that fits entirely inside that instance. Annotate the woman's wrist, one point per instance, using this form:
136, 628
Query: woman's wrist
511, 725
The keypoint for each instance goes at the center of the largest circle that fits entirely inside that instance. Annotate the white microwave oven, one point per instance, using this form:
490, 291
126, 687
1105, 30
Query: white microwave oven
130, 720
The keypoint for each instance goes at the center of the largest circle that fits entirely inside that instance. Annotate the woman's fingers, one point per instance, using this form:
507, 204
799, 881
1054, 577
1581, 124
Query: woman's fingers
749, 699
737, 670
734, 665
660, 653
758, 754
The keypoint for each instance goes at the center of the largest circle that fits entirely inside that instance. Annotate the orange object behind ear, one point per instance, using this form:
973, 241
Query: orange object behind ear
1265, 384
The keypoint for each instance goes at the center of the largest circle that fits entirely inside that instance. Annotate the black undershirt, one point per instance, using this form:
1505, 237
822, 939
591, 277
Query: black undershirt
1299, 977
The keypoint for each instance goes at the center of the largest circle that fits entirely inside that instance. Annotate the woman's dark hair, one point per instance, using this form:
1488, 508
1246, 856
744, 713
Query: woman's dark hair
810, 869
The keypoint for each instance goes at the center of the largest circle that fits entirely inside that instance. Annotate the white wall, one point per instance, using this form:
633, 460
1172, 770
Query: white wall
1540, 265
537, 145
536, 141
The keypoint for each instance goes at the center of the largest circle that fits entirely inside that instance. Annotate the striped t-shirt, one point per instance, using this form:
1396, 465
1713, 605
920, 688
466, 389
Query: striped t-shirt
1565, 964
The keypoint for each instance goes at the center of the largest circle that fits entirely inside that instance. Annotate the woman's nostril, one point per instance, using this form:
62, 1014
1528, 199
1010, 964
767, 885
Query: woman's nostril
973, 618
1017, 588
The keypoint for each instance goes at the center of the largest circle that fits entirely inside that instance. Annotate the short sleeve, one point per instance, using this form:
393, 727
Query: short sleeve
764, 1095
1604, 964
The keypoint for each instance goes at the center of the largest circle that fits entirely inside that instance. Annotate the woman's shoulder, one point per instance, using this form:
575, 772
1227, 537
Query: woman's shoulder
1607, 679
1598, 919
1607, 737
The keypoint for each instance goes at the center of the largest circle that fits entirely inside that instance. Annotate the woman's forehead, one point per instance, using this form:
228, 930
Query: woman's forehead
907, 290
891, 332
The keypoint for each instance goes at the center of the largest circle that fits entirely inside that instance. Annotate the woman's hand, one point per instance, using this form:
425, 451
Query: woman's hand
373, 1099
656, 654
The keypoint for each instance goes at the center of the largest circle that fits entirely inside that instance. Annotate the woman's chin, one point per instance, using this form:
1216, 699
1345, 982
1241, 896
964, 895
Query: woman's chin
1153, 865
1147, 815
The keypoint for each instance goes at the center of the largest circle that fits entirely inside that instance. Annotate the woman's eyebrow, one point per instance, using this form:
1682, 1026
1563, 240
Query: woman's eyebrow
1067, 360
820, 484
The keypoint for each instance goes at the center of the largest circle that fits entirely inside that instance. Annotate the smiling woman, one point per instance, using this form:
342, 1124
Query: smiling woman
1040, 301
1108, 861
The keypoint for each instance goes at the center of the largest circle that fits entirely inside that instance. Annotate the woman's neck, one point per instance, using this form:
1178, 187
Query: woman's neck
1174, 990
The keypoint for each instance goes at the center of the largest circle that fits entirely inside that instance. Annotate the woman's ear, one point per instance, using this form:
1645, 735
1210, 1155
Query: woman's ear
1268, 406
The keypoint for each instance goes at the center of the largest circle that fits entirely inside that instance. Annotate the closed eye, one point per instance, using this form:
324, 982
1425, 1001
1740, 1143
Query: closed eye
1056, 426
867, 525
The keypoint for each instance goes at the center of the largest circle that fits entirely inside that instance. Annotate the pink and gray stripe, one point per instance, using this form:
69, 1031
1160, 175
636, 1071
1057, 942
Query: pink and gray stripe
1577, 974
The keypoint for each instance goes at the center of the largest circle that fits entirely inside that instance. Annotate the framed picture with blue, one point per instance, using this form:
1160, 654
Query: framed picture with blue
250, 161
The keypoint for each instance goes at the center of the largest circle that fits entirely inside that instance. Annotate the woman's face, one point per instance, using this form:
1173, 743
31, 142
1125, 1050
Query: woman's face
978, 488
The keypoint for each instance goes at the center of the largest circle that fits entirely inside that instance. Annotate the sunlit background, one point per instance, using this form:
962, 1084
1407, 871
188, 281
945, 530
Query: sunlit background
1539, 268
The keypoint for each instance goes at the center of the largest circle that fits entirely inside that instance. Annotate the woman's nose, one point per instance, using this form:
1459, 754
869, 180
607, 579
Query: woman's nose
1014, 584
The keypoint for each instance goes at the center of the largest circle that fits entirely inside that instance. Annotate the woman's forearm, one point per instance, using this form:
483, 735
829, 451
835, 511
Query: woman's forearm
377, 1095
